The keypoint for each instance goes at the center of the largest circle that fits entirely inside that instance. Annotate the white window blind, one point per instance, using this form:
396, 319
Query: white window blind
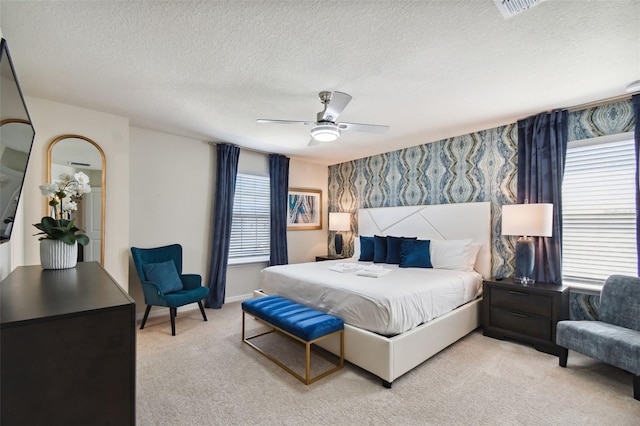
599, 213
251, 218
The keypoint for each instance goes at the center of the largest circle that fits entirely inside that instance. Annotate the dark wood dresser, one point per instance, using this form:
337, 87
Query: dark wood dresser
527, 313
68, 348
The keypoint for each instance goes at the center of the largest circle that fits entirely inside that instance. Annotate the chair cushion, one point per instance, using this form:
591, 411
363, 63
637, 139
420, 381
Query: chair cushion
608, 343
185, 296
164, 274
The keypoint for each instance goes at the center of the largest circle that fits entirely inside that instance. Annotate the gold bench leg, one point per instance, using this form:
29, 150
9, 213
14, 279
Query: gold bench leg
307, 379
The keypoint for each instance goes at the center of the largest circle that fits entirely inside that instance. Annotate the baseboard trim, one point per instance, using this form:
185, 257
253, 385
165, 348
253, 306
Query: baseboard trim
158, 311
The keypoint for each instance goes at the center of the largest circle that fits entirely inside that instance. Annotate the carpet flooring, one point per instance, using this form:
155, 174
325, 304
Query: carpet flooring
205, 375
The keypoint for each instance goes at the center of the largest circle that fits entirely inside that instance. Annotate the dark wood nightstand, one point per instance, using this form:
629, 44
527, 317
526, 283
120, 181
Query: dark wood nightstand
527, 313
328, 257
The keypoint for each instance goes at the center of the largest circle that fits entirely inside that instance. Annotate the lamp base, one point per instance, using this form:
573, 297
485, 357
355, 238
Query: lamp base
338, 244
525, 259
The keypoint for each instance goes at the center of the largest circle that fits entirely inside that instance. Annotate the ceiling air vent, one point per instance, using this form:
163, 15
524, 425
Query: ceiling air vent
78, 164
509, 8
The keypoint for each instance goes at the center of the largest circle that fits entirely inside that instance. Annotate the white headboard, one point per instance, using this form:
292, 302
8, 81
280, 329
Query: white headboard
434, 222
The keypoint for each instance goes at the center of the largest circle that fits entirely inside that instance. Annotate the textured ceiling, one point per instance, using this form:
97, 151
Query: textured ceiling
429, 69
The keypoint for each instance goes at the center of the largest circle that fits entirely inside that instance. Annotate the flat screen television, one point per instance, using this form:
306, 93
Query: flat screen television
16, 141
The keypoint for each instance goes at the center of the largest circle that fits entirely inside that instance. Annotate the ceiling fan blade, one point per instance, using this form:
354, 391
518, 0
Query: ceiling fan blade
313, 142
336, 105
266, 120
369, 128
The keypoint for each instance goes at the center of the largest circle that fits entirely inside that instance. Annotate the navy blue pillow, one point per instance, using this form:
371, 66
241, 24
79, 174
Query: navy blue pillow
415, 254
366, 248
379, 249
393, 249
164, 274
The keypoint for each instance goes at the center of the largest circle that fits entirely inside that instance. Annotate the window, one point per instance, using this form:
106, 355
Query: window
251, 220
598, 208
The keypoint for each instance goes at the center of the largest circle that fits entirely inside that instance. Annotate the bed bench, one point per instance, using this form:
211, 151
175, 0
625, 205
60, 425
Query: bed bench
298, 322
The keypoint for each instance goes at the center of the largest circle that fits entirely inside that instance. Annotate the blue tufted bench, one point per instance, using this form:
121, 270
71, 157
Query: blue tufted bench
297, 321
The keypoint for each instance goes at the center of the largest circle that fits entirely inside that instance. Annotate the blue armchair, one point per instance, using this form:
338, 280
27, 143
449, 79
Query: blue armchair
164, 284
615, 337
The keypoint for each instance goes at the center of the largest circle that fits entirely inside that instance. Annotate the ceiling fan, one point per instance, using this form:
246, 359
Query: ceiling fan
325, 129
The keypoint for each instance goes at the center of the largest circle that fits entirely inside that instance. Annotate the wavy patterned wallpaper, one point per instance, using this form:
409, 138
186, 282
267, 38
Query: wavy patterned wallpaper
476, 167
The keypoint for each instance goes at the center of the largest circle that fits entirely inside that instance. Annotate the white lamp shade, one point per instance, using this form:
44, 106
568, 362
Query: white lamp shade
530, 220
339, 222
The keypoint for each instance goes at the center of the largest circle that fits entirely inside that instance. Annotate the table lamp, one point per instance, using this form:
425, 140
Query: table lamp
526, 220
339, 222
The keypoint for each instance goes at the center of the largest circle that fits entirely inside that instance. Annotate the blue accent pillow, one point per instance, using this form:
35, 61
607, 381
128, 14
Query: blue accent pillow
415, 254
366, 248
393, 249
164, 274
379, 249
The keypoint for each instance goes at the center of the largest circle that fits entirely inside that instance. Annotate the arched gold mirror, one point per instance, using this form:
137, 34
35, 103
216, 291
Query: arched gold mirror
72, 154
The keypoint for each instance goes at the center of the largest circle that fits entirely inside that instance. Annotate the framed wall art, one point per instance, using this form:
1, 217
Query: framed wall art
304, 209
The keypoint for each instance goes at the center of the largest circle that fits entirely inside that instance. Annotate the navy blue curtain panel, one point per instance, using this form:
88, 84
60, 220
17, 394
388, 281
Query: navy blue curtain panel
279, 181
226, 172
635, 100
542, 149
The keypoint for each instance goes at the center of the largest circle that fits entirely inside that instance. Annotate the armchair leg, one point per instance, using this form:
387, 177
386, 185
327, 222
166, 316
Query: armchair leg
564, 354
146, 315
172, 313
204, 316
636, 387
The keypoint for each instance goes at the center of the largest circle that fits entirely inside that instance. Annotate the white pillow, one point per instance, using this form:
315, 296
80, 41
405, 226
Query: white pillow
356, 247
452, 254
473, 255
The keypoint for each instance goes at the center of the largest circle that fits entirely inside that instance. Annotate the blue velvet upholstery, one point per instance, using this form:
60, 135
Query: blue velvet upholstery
379, 249
157, 292
164, 274
393, 249
306, 323
615, 337
366, 248
415, 254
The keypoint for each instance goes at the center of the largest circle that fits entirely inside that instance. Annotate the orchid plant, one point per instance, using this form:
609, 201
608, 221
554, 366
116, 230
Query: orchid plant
64, 195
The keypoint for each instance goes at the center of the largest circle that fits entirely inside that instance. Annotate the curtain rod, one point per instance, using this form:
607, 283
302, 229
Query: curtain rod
242, 148
598, 103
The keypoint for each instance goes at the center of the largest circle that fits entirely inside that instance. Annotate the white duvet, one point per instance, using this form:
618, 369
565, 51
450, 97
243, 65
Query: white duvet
388, 305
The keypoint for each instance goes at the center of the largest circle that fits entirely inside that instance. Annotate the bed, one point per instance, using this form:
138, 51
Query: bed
390, 342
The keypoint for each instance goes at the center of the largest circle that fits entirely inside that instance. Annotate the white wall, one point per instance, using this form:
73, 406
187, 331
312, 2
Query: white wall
171, 201
111, 132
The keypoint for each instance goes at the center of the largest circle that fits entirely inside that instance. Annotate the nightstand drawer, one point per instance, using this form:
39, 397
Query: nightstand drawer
521, 323
520, 301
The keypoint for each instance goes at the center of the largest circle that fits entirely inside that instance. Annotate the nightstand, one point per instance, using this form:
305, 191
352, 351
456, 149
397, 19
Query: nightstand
328, 257
526, 313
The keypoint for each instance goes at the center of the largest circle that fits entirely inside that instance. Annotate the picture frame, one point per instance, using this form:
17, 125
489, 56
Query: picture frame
304, 209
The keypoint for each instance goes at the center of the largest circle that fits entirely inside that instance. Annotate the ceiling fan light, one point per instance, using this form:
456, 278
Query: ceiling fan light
325, 133
633, 86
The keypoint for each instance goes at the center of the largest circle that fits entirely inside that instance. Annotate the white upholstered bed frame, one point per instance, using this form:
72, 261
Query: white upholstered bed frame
391, 357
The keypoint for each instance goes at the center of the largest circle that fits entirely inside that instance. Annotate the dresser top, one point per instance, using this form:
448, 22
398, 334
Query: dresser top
31, 293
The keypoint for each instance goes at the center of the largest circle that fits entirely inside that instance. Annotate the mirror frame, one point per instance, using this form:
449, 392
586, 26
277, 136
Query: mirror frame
104, 181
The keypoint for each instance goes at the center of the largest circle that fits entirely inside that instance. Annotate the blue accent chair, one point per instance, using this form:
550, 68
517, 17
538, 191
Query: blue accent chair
164, 284
615, 337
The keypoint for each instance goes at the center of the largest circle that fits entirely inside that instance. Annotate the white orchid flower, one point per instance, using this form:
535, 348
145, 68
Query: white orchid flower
82, 179
65, 177
69, 206
49, 189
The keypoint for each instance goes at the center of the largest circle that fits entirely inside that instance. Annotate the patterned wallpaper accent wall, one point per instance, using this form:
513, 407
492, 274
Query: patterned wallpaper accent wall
476, 167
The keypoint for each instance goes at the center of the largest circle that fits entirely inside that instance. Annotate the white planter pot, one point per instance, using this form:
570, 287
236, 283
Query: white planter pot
54, 254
